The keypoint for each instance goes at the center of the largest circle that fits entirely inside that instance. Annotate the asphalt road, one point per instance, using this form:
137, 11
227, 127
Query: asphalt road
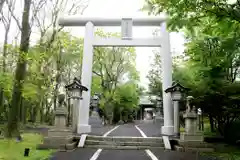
126, 130
123, 155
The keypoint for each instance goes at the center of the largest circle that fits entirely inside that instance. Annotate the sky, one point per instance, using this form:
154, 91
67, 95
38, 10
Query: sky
121, 9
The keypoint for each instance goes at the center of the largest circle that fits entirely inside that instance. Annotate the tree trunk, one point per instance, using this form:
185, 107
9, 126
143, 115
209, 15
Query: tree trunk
34, 114
58, 78
4, 63
24, 111
211, 123
1, 4
42, 111
69, 109
21, 110
20, 72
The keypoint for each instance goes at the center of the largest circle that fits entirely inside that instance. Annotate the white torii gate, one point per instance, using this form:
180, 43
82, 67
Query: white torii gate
90, 41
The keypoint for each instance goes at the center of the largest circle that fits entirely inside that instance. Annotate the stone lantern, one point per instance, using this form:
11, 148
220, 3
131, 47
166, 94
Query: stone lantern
76, 89
191, 132
176, 91
95, 104
95, 101
94, 119
57, 136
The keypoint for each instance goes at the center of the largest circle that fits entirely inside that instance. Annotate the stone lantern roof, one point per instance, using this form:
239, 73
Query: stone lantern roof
176, 87
76, 84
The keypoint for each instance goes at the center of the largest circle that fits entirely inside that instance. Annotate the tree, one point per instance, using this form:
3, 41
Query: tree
20, 71
154, 75
1, 4
126, 102
34, 79
210, 65
189, 13
6, 19
112, 67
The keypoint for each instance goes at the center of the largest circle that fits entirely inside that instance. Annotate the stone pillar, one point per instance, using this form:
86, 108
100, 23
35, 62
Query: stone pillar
76, 104
176, 95
60, 117
176, 118
60, 113
159, 114
191, 129
166, 60
87, 63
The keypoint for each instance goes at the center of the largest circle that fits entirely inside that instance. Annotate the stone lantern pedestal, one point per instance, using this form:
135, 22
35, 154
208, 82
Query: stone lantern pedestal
60, 124
191, 132
60, 117
59, 135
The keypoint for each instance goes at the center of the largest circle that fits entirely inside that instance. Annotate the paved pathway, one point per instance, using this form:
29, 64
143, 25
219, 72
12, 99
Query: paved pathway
126, 130
150, 129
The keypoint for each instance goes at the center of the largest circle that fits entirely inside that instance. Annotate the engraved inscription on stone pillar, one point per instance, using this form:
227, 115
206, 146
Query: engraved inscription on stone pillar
127, 28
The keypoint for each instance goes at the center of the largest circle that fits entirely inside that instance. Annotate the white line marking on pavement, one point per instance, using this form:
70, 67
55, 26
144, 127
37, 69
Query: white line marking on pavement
142, 133
150, 154
97, 153
82, 140
166, 142
108, 132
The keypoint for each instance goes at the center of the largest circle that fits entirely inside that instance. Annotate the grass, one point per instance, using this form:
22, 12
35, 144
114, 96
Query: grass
12, 150
225, 152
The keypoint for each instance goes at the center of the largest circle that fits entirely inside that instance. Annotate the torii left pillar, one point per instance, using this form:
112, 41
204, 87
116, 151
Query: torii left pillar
86, 77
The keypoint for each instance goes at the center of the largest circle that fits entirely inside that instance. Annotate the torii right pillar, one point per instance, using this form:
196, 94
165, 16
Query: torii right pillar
166, 60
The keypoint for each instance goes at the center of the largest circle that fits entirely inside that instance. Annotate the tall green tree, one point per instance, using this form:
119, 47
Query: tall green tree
210, 65
20, 72
113, 66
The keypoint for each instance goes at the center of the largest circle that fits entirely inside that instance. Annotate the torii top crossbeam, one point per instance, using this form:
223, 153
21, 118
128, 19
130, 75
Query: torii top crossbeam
81, 21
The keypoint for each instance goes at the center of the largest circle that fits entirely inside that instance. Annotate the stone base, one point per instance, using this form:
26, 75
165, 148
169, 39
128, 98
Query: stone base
167, 130
59, 132
83, 128
57, 138
192, 137
194, 146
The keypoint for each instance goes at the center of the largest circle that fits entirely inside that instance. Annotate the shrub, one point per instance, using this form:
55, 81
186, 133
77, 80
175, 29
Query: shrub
232, 133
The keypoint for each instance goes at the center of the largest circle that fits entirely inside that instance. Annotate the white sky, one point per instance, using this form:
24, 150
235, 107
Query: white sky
121, 9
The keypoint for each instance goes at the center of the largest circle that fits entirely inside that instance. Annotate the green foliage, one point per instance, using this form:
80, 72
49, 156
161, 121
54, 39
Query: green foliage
210, 64
126, 102
154, 75
56, 60
190, 13
115, 74
233, 132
